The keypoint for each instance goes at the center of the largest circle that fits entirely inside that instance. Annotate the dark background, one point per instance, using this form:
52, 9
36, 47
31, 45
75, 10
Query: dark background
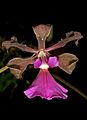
18, 19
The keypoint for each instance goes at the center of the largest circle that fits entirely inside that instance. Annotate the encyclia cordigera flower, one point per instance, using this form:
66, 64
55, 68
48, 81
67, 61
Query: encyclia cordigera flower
44, 85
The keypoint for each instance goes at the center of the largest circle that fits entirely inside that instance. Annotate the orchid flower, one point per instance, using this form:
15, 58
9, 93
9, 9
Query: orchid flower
44, 85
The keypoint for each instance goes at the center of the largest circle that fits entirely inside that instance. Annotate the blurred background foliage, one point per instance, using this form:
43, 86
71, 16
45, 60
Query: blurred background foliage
6, 78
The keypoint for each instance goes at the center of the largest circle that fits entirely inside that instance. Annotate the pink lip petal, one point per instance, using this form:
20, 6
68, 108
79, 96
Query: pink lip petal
46, 87
53, 62
29, 93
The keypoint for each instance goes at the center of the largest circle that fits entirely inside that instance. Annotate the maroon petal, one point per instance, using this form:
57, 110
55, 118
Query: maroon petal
37, 63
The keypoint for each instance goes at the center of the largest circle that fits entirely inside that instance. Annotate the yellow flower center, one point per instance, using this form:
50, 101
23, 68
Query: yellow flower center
41, 54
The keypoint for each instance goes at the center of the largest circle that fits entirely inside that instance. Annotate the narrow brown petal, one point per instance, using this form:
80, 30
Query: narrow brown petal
42, 32
13, 43
18, 66
72, 36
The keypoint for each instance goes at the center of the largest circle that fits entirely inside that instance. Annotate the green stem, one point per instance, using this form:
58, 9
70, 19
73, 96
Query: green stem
3, 69
70, 86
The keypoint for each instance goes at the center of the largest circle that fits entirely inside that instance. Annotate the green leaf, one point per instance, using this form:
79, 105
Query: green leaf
3, 69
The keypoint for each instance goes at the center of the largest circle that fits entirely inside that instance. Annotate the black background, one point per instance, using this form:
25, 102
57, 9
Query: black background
18, 19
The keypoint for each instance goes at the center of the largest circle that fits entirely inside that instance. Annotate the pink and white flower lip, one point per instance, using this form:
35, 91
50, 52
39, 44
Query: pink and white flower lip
44, 85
